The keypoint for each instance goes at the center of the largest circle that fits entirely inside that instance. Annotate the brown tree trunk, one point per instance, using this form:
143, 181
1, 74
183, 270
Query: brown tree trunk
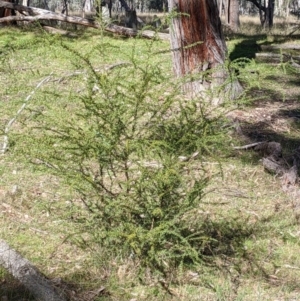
4, 12
198, 45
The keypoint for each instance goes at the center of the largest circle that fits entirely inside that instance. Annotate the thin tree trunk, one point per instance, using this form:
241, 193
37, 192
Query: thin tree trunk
270, 13
226, 5
110, 8
234, 15
65, 9
220, 7
198, 45
287, 9
23, 270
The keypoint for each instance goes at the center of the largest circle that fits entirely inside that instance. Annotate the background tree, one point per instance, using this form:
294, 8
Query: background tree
233, 14
266, 11
4, 12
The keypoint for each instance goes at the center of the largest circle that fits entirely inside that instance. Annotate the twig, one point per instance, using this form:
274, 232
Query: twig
10, 123
249, 145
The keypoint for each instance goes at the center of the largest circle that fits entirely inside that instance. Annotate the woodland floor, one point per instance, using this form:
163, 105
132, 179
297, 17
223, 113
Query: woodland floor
266, 265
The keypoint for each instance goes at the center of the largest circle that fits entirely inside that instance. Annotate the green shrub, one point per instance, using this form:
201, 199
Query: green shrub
125, 147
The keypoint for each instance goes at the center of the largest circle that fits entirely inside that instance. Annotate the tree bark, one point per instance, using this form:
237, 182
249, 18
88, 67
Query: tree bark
23, 270
266, 12
220, 7
4, 12
270, 14
234, 15
198, 45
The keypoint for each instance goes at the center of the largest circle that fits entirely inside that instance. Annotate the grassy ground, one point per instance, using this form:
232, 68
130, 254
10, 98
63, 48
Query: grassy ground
254, 221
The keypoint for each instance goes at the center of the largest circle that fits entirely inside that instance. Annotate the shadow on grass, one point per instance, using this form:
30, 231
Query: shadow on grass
262, 131
228, 250
227, 237
245, 49
12, 290
249, 44
275, 115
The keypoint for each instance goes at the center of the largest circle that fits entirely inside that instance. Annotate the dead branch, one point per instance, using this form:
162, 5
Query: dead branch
248, 146
32, 14
23, 270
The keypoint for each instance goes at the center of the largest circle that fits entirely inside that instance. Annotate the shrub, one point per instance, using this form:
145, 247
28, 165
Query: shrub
127, 148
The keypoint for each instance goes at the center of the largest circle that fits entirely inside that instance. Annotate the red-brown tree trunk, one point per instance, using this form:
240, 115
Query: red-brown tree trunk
198, 45
4, 12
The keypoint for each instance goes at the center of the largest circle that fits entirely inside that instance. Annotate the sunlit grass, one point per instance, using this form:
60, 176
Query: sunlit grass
36, 212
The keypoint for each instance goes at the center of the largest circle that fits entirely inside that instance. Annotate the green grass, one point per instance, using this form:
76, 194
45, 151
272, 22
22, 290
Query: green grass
254, 255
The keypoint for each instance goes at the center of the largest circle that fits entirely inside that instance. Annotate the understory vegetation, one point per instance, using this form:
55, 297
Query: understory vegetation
125, 188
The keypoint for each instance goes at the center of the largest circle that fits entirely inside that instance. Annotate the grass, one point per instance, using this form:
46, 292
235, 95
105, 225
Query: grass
253, 221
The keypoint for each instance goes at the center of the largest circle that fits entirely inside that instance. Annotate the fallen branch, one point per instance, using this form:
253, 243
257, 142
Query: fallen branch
248, 146
10, 123
280, 46
23, 270
32, 14
275, 57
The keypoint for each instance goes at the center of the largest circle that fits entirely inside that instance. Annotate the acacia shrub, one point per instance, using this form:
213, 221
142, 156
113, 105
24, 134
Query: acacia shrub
124, 148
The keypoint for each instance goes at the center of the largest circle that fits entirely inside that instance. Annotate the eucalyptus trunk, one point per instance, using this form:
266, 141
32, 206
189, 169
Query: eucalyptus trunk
198, 44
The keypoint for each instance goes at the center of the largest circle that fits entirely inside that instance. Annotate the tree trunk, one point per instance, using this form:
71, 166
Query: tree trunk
198, 45
226, 11
269, 14
131, 19
110, 4
65, 9
87, 6
234, 15
4, 12
266, 11
220, 7
23, 270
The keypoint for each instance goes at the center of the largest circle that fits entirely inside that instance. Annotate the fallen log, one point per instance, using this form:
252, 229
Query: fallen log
23, 270
32, 14
265, 57
280, 46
